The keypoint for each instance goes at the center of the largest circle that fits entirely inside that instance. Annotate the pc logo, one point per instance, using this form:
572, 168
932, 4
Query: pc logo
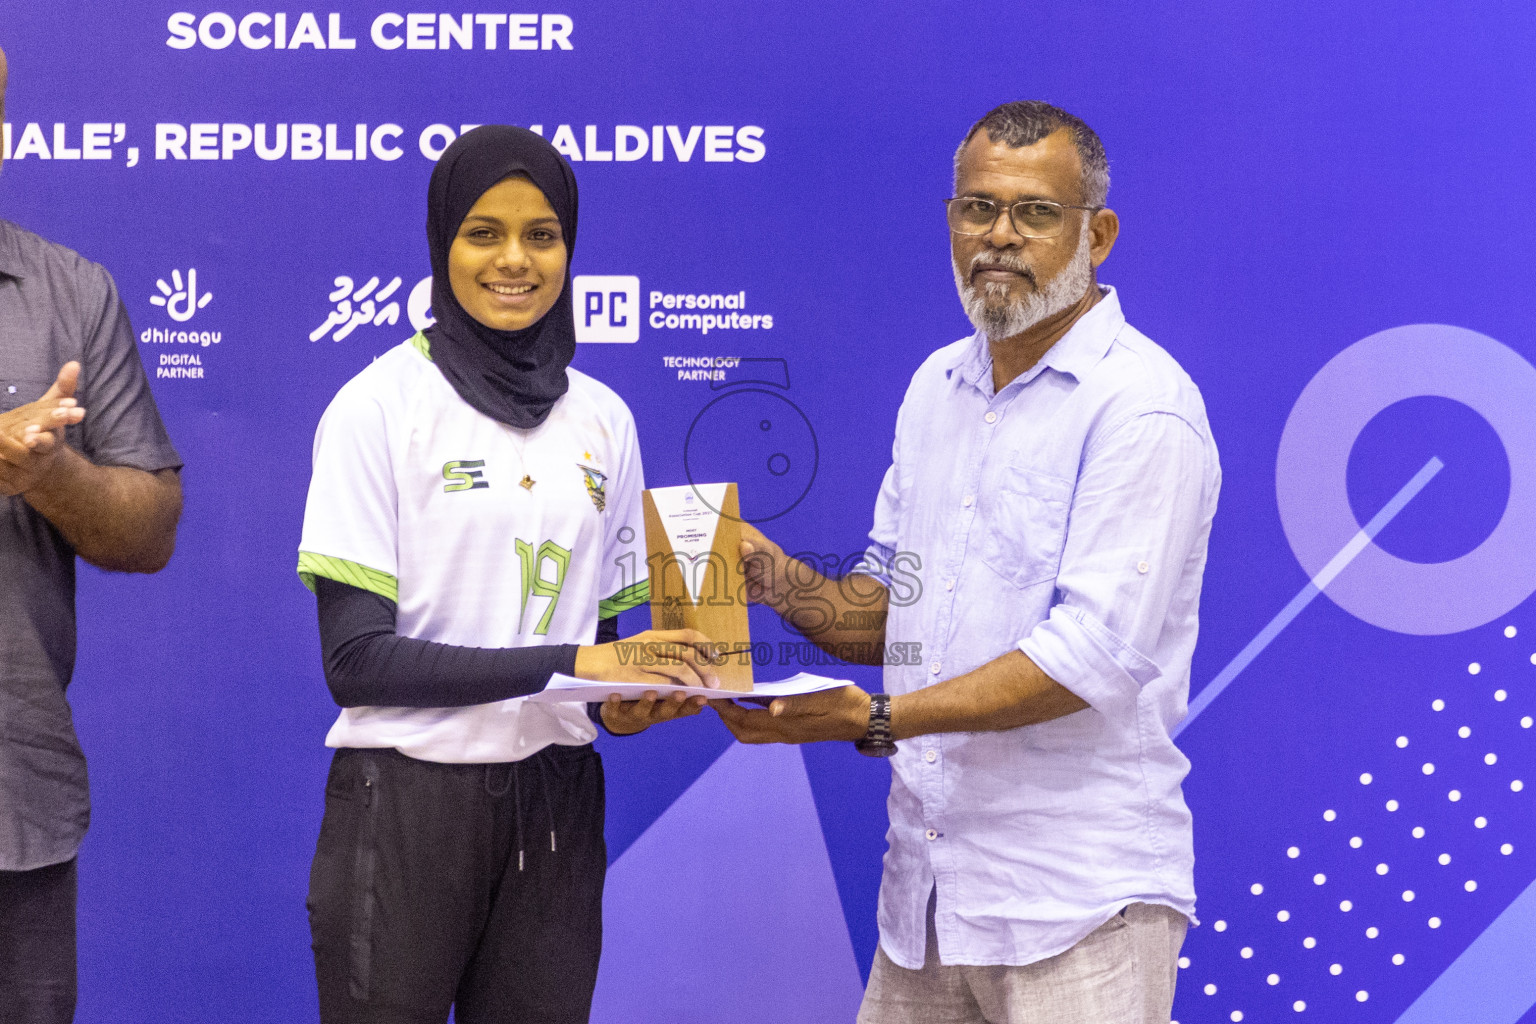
607, 308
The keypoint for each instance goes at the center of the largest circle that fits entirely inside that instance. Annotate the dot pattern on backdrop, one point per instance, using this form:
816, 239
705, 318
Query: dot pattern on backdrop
1363, 904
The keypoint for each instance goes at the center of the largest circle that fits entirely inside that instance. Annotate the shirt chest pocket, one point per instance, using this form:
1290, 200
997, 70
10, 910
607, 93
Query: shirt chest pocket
1024, 524
17, 391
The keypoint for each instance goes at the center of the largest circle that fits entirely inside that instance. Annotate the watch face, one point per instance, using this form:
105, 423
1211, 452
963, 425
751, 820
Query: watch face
869, 749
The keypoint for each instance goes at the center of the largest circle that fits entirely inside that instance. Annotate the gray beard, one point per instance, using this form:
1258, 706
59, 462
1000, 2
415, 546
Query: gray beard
989, 308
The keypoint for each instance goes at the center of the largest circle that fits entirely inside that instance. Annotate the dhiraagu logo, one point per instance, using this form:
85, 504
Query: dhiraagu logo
464, 475
184, 300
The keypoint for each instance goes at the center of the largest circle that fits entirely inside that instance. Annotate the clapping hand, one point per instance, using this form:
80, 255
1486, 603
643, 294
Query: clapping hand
55, 410
31, 434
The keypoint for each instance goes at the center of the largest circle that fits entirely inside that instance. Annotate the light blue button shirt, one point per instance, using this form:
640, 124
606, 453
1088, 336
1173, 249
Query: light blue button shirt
1065, 516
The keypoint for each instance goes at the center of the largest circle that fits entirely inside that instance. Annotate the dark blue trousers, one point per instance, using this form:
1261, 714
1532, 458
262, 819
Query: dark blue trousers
37, 945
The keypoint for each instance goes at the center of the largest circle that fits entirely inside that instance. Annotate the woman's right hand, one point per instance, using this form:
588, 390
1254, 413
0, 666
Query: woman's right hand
678, 657
657, 656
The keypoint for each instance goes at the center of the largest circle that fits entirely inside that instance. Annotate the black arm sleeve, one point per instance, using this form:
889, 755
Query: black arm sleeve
368, 665
607, 633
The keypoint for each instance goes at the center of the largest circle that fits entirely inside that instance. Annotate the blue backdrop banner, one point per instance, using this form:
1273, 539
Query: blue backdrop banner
1321, 221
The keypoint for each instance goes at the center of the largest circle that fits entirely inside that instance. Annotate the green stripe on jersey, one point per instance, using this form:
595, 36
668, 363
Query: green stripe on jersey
350, 573
420, 343
624, 600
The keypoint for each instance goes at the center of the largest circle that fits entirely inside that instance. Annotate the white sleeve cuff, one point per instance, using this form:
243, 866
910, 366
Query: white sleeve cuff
1081, 654
876, 564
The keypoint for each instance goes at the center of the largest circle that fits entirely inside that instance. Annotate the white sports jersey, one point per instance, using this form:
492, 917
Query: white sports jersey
484, 535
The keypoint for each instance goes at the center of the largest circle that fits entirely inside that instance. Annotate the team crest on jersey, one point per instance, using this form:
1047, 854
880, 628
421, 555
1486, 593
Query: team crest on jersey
597, 483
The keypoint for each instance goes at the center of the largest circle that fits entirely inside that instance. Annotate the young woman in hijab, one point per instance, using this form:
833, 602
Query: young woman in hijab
474, 525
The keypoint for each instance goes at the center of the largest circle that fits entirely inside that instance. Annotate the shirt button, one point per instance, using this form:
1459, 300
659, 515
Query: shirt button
930, 756
991, 417
931, 834
949, 584
11, 390
1142, 567
934, 668
967, 501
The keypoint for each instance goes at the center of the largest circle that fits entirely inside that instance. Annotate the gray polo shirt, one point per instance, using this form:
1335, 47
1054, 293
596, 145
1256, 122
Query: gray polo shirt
56, 306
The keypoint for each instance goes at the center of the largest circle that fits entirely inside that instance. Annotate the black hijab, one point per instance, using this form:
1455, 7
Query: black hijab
512, 376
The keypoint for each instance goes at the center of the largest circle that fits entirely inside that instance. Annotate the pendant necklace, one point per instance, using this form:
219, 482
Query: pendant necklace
527, 481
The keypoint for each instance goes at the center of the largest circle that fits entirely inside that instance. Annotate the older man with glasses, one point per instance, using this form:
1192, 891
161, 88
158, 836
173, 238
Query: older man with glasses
1055, 477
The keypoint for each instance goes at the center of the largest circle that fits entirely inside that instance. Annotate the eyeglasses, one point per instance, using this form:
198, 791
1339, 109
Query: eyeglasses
1032, 218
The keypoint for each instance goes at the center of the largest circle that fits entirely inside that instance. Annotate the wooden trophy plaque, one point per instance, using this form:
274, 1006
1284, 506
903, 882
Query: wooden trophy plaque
693, 547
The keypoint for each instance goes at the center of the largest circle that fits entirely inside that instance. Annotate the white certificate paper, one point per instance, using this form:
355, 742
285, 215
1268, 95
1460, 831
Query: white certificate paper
564, 688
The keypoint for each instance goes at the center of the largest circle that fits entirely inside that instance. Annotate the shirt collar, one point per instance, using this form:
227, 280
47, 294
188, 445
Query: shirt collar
1078, 351
11, 264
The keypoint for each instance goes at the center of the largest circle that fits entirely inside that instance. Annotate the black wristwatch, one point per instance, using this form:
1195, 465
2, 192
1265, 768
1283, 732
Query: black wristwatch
877, 741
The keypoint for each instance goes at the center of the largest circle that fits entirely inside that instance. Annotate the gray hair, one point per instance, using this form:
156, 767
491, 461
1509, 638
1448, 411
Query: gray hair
1026, 122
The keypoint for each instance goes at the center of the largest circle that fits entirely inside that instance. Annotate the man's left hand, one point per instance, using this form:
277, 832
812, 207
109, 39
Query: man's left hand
24, 463
841, 714
31, 435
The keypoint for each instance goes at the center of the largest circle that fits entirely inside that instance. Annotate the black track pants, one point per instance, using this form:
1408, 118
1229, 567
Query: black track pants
437, 885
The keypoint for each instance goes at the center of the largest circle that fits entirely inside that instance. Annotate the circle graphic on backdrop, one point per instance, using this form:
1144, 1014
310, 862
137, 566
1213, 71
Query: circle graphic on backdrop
1468, 496
759, 440
1311, 471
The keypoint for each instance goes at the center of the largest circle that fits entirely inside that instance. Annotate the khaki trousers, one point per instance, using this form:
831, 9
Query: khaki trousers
1123, 972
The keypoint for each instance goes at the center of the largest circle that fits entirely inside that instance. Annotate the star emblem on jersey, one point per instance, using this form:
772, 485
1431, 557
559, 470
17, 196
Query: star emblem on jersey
596, 481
